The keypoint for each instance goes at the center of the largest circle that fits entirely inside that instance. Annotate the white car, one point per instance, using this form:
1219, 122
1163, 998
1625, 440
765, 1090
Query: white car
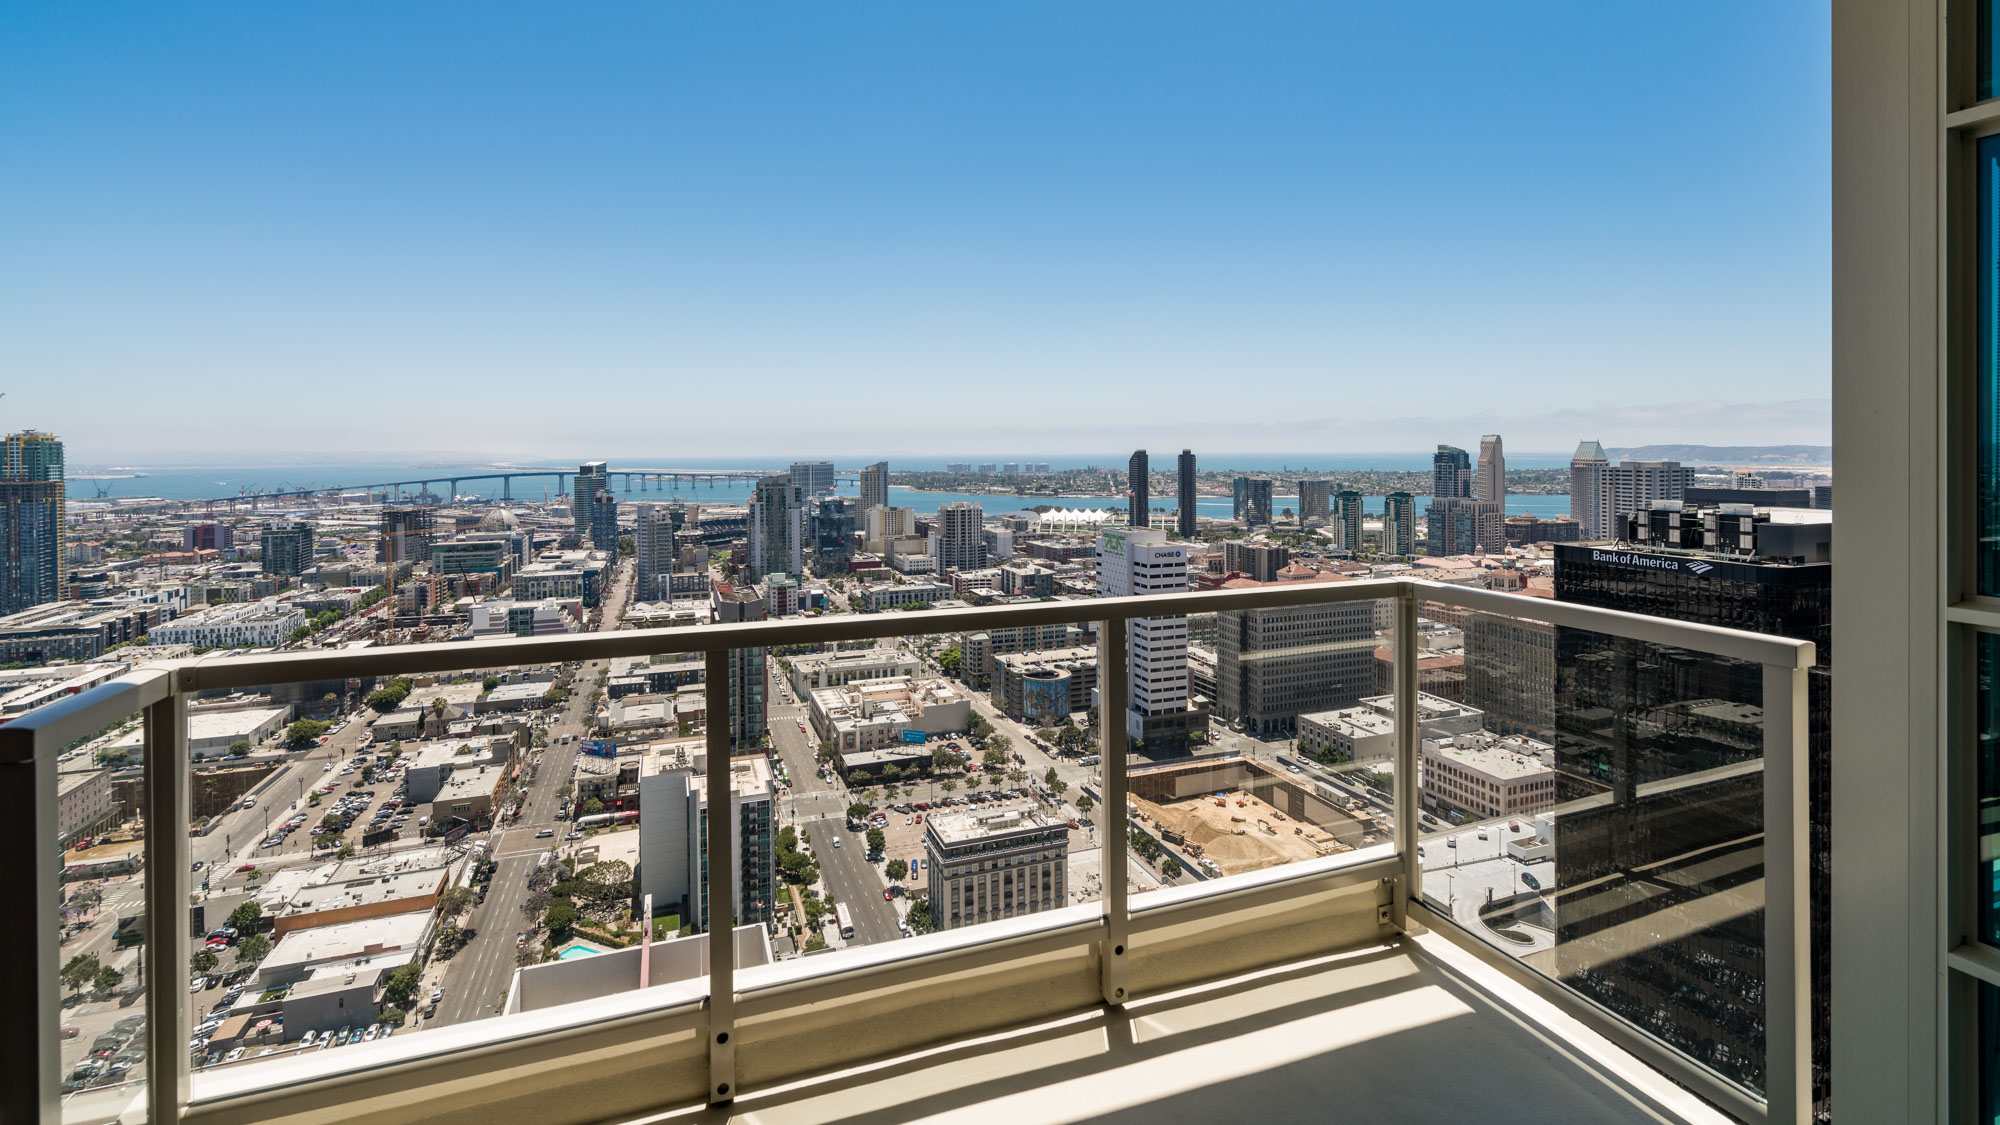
233, 1055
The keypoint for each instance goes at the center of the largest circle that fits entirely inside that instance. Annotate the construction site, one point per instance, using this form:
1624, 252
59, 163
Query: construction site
1234, 815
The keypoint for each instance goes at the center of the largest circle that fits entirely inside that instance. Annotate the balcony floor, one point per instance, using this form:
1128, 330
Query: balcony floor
1409, 1032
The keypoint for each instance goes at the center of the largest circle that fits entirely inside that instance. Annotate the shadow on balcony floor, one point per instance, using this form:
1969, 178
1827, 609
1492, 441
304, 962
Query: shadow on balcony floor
1408, 1032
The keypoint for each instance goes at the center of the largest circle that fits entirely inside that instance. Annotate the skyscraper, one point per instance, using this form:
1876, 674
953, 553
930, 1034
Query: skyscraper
961, 537
1256, 501
874, 486
1137, 563
1399, 524
1451, 473
1314, 498
832, 533
604, 522
1587, 469
407, 535
591, 479
1492, 481
1347, 521
1184, 519
815, 477
1460, 525
35, 507
1239, 493
653, 546
1139, 490
287, 548
777, 526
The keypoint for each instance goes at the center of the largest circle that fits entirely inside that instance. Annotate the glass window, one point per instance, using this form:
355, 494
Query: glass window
1989, 787
1989, 362
1987, 31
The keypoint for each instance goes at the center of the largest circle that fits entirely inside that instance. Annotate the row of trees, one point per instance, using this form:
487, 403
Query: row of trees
390, 696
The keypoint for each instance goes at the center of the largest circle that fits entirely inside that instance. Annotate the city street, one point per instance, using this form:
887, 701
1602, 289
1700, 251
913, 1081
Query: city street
851, 879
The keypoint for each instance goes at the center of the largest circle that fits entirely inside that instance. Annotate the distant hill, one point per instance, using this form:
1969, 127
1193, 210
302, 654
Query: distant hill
1729, 454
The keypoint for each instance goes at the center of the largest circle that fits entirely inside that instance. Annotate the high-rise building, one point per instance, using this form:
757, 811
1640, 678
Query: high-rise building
1260, 562
653, 543
1272, 665
960, 538
885, 524
1510, 673
1256, 501
604, 522
673, 835
1491, 484
1462, 526
1347, 521
407, 534
210, 536
874, 486
1139, 490
833, 533
287, 548
1399, 525
1136, 563
749, 677
1451, 473
985, 866
34, 503
1239, 493
1587, 469
815, 477
1315, 501
777, 527
1184, 518
1647, 738
591, 479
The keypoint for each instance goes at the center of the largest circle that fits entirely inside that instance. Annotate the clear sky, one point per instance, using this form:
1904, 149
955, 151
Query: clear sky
788, 229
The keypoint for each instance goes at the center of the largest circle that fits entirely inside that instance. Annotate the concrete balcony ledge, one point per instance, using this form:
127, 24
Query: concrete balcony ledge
1412, 1030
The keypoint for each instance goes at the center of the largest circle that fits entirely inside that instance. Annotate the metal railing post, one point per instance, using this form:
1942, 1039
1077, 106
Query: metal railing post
717, 692
1787, 899
1112, 688
166, 945
1408, 738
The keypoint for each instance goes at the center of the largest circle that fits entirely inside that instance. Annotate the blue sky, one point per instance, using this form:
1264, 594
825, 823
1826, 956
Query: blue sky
797, 229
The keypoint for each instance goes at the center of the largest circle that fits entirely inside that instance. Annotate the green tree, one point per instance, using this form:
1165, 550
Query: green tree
333, 822
81, 970
240, 748
560, 920
995, 757
252, 949
346, 852
1049, 778
592, 807
897, 870
455, 901
108, 978
1170, 867
203, 961
244, 918
824, 753
857, 778
977, 727
401, 988
947, 785
859, 809
1084, 804
394, 1017
950, 661
1058, 786
300, 634
919, 918
941, 757
877, 840
488, 684
383, 700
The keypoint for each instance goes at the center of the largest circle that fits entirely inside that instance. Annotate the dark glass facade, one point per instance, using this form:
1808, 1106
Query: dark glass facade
1635, 723
1988, 727
1988, 355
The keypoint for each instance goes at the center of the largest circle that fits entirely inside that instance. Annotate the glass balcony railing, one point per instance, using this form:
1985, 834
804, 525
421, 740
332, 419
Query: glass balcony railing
402, 855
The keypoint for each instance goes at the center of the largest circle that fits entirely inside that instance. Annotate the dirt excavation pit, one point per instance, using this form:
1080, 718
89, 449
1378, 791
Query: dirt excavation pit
1238, 831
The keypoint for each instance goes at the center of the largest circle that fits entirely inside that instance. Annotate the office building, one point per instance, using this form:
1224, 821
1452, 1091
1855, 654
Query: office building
407, 534
832, 533
1254, 560
874, 486
1399, 525
985, 866
814, 478
591, 478
1451, 473
1633, 740
472, 556
1491, 482
1347, 513
1464, 526
1273, 665
34, 505
287, 548
1159, 715
1510, 672
673, 835
1184, 516
1253, 501
1522, 530
1239, 497
1045, 687
960, 541
1139, 490
884, 525
1704, 496
979, 652
1366, 732
1600, 493
1315, 501
1588, 468
1486, 775
777, 527
209, 537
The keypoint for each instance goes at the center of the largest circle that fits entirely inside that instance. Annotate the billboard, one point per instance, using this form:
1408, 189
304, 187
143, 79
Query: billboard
600, 748
378, 836
913, 735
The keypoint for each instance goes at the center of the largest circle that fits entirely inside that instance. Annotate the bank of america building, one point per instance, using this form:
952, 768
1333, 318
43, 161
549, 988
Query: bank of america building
1657, 781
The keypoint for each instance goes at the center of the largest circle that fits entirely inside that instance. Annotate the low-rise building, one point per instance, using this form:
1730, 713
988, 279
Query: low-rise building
1488, 775
523, 696
241, 625
987, 866
468, 795
872, 714
83, 803
212, 733
388, 942
979, 652
1045, 687
301, 898
1366, 732
814, 671
889, 595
